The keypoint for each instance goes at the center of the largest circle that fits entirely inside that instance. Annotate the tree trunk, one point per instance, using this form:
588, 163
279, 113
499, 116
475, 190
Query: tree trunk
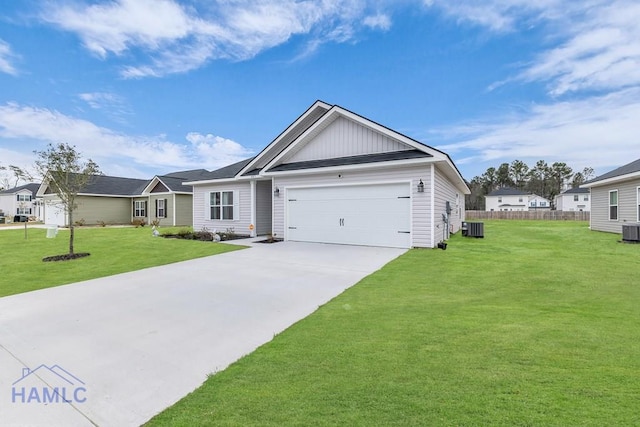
71, 231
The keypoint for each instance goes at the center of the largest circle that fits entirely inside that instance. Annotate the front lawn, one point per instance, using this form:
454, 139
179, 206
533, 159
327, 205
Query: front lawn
113, 251
536, 324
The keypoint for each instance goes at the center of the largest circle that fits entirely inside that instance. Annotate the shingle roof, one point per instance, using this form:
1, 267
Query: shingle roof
622, 170
576, 190
114, 186
190, 175
508, 191
352, 160
225, 172
33, 187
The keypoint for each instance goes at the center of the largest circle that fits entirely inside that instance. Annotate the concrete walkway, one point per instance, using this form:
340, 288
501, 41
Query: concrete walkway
122, 348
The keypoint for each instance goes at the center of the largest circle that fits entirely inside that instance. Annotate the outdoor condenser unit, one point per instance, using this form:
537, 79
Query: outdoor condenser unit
631, 233
473, 229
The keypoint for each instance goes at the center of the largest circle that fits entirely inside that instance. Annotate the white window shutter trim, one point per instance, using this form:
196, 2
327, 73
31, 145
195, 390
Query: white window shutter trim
236, 205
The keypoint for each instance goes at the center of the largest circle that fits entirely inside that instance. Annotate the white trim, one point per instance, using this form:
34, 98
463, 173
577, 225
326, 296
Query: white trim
211, 181
617, 205
252, 191
263, 153
174, 209
638, 203
433, 205
363, 166
612, 180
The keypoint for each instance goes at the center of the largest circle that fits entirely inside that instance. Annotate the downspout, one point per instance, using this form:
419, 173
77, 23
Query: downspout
433, 205
174, 210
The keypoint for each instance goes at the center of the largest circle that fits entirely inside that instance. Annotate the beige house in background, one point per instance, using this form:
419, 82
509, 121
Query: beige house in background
118, 200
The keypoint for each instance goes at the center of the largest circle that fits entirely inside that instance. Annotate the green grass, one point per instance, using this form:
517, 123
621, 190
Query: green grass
536, 324
113, 251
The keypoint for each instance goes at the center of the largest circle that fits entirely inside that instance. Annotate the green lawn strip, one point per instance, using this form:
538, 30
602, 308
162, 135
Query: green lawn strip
113, 251
536, 324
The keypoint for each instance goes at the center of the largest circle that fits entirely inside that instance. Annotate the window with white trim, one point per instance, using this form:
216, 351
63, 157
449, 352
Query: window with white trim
23, 211
586, 198
24, 197
161, 208
613, 205
638, 203
221, 205
139, 208
576, 198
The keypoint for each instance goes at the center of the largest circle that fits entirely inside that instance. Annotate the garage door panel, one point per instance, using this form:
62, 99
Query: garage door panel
375, 215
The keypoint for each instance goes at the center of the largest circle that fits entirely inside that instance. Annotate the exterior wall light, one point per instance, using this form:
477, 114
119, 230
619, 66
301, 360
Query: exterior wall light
421, 186
276, 192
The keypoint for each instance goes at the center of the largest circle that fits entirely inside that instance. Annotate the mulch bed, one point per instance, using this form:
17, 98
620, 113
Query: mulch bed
66, 257
270, 241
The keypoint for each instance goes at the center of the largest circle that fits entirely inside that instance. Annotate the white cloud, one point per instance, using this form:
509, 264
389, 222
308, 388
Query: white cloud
111, 149
179, 38
379, 21
596, 132
6, 59
114, 105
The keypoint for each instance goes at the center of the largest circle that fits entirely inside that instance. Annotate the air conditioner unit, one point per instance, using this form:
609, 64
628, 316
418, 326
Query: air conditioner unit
631, 233
473, 229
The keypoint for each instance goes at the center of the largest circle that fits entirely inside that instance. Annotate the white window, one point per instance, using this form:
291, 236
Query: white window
543, 203
520, 199
638, 203
24, 197
499, 199
161, 208
586, 198
221, 205
576, 198
23, 211
613, 205
139, 208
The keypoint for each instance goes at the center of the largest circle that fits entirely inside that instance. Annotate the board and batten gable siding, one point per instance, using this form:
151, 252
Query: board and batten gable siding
111, 210
202, 212
344, 138
445, 192
627, 205
411, 174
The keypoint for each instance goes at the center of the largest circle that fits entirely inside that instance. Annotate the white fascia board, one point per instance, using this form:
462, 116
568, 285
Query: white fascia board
210, 181
612, 180
152, 184
363, 166
264, 152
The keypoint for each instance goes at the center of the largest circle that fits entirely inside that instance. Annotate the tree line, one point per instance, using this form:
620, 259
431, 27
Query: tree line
542, 179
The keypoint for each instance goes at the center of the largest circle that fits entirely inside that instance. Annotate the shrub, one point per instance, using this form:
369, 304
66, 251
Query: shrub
138, 222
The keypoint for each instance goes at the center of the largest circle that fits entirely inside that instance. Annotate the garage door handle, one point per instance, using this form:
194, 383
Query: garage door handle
293, 228
404, 232
404, 197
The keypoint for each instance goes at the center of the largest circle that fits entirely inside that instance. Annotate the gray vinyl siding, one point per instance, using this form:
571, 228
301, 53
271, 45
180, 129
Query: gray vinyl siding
343, 138
111, 210
627, 206
184, 209
420, 202
201, 208
445, 192
263, 207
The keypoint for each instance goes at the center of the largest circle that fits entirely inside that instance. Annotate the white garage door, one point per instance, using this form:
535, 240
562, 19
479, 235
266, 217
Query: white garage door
54, 213
370, 215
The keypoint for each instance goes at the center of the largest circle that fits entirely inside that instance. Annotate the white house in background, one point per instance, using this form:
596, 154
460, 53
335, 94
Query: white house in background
21, 201
615, 198
574, 199
510, 199
333, 176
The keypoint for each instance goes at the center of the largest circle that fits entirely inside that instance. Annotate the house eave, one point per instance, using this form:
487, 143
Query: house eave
612, 180
363, 166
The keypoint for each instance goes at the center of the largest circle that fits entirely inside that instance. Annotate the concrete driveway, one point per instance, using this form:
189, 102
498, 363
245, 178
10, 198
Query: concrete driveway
122, 348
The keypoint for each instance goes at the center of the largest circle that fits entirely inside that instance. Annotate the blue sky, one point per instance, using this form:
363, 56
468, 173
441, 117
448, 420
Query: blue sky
147, 87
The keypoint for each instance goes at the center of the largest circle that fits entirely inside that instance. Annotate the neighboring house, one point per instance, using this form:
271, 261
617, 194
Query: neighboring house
21, 200
615, 198
574, 199
117, 200
333, 176
511, 199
